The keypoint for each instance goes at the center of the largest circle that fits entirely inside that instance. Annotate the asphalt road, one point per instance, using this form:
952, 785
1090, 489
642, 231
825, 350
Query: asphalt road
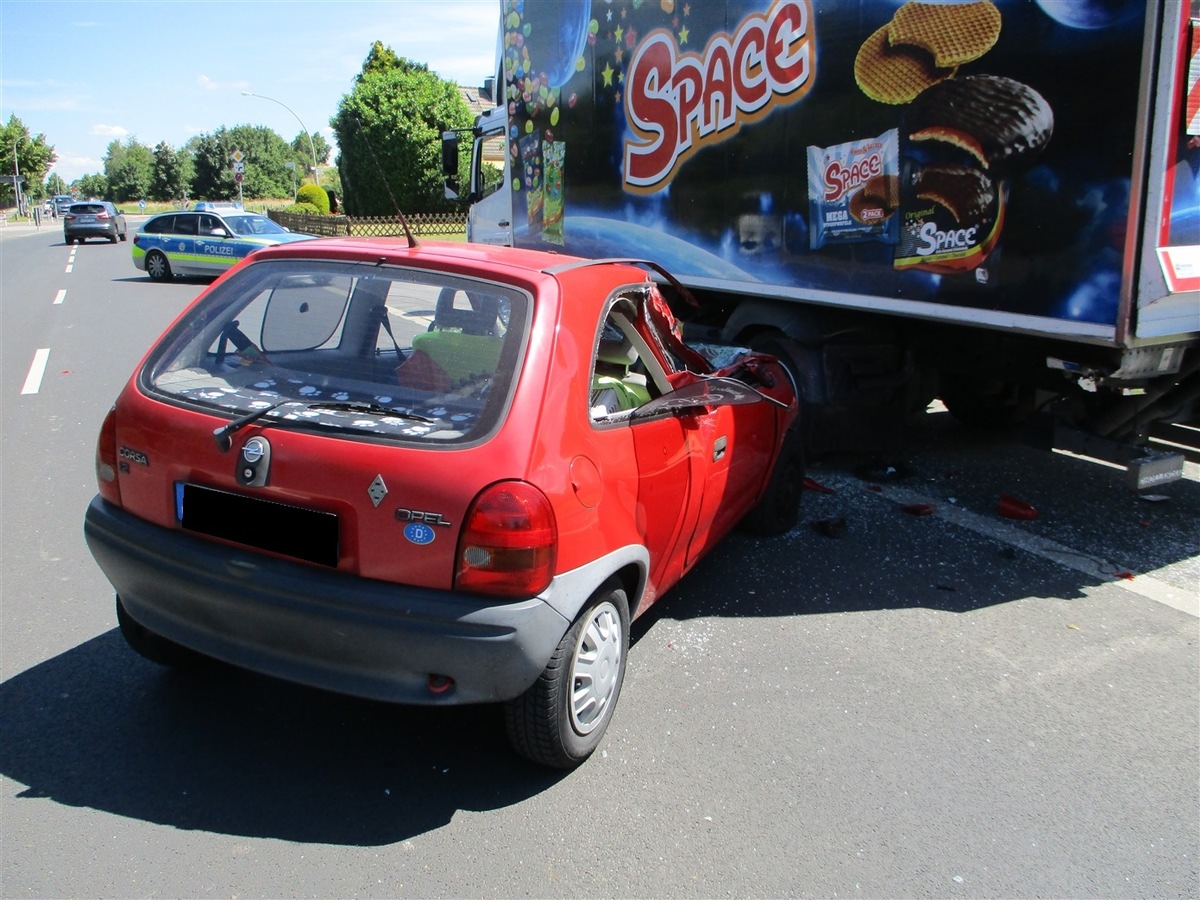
950, 705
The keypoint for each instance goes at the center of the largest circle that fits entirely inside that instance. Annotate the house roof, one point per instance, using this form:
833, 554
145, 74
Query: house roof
493, 151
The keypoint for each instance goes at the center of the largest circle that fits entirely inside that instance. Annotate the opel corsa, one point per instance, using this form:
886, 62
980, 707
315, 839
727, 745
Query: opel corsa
436, 474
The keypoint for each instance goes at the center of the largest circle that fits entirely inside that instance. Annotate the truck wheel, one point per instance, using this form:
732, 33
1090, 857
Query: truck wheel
157, 266
562, 718
152, 646
779, 509
986, 404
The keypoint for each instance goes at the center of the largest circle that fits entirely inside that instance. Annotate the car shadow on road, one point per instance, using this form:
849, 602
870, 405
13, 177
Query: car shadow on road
230, 752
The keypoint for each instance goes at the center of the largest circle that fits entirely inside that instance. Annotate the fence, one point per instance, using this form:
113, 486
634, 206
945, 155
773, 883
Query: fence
332, 226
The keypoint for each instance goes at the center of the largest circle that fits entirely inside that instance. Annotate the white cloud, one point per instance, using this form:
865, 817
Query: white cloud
69, 166
103, 130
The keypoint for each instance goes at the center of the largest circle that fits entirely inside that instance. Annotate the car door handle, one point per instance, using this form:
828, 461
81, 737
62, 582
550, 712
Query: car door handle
719, 448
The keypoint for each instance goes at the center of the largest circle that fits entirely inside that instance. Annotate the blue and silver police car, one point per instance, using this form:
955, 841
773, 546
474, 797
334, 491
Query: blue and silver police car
203, 242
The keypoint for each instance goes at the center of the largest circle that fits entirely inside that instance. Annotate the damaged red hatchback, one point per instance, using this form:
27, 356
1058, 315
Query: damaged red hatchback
432, 474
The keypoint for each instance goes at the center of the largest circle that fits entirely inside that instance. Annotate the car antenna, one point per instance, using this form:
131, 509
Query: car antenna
413, 243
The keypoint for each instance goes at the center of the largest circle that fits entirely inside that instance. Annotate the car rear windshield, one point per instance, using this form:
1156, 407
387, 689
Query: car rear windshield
355, 348
88, 208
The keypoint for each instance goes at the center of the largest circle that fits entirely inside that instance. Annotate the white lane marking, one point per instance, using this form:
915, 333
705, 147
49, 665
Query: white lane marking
71, 258
33, 381
1093, 566
60, 296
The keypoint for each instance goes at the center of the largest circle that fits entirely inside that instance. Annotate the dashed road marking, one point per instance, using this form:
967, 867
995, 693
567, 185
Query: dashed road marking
60, 297
33, 381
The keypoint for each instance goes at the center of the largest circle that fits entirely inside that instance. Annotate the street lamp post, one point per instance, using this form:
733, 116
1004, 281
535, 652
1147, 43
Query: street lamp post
311, 146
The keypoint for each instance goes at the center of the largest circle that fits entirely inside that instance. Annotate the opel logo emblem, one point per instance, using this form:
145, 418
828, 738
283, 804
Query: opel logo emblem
254, 450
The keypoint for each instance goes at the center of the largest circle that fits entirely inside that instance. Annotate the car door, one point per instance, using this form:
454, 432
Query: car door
661, 444
216, 248
730, 437
180, 245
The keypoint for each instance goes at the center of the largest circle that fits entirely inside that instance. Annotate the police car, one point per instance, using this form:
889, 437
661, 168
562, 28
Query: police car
203, 242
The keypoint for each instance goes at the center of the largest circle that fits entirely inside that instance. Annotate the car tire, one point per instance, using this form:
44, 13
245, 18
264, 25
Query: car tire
157, 266
153, 646
779, 509
561, 719
124, 236
68, 241
113, 239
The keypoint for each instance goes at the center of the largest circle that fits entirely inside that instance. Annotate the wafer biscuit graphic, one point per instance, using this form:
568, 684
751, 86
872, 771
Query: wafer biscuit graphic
885, 189
952, 34
894, 74
967, 193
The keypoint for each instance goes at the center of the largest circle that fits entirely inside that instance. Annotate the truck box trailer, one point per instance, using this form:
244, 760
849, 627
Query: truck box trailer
993, 202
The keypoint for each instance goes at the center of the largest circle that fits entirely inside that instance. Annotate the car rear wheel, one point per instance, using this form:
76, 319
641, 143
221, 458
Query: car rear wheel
152, 646
113, 239
157, 266
124, 235
562, 718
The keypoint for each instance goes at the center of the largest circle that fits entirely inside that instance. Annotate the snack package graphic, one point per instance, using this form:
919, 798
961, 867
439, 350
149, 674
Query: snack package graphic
553, 155
854, 191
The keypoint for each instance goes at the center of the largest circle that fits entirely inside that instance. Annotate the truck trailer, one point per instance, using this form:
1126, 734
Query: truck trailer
995, 203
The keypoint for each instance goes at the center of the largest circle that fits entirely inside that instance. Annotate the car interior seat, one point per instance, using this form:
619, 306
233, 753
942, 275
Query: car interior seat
614, 386
462, 344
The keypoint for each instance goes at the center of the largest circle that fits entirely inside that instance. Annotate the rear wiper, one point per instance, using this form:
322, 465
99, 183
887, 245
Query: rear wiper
224, 435
375, 409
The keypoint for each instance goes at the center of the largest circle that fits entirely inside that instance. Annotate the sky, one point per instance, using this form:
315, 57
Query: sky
86, 74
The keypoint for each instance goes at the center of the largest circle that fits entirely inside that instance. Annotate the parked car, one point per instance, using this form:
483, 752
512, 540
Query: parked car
93, 219
203, 242
438, 475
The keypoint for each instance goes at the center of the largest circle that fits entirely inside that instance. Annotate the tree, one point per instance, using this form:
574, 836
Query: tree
55, 185
172, 176
25, 155
129, 169
92, 186
302, 151
388, 131
263, 155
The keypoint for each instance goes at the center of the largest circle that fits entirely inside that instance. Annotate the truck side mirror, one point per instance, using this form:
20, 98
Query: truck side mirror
450, 163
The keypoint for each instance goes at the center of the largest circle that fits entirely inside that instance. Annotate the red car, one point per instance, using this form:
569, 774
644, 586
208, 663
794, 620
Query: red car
432, 474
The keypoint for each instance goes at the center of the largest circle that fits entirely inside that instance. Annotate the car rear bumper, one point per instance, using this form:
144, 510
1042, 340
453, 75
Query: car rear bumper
86, 231
323, 628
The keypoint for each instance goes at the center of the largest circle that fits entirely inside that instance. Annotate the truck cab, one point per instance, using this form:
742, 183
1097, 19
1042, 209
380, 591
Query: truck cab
489, 216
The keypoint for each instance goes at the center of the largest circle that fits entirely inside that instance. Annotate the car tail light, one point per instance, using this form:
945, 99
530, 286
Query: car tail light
508, 542
101, 215
106, 459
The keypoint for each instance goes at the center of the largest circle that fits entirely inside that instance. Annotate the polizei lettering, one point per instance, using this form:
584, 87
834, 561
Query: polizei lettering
677, 103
